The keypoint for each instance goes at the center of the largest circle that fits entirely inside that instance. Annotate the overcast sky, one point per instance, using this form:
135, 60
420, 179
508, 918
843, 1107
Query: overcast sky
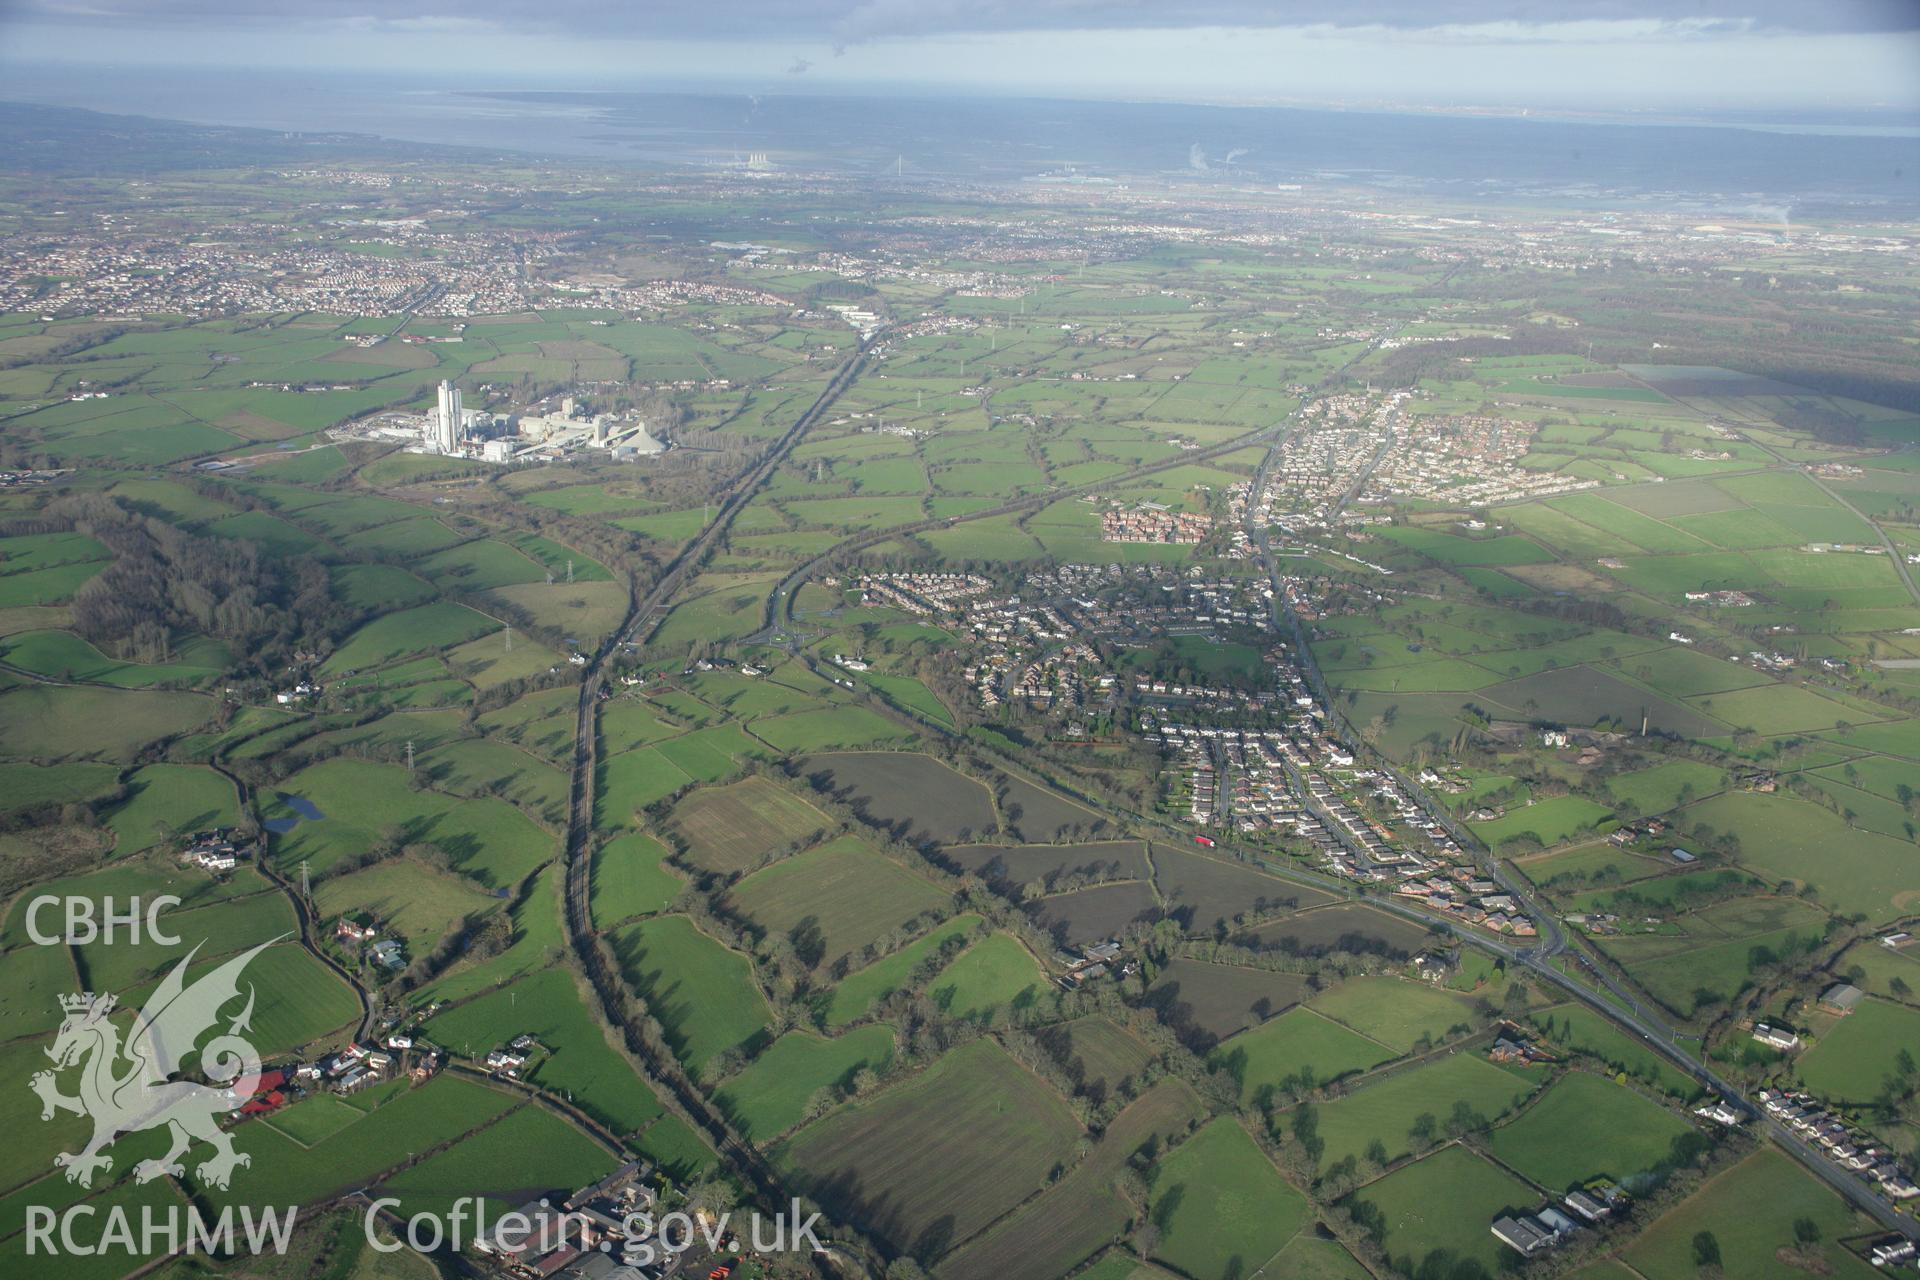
1584, 54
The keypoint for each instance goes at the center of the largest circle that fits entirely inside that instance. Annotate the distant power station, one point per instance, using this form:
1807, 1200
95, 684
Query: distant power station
446, 426
758, 162
452, 430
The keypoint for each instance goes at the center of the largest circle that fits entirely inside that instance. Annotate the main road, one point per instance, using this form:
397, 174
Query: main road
640, 619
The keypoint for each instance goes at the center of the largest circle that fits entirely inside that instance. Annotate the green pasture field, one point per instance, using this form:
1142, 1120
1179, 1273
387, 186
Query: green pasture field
1879, 776
1296, 1041
37, 552
856, 994
32, 980
703, 994
1446, 1202
748, 697
666, 526
1429, 675
108, 1257
1860, 808
1750, 1210
1551, 523
1587, 695
478, 565
63, 656
420, 903
677, 1149
413, 1121
910, 693
580, 1062
528, 1148
1709, 962
932, 1160
1311, 1255
370, 586
1899, 738
54, 585
1221, 1206
773, 1093
830, 729
715, 608
736, 827
1665, 786
1782, 838
532, 708
993, 975
411, 631
560, 558
1777, 709
1117, 1264
1396, 1012
1447, 549
1388, 1109
1856, 1057
1576, 1027
1553, 821
29, 1154
585, 610
993, 538
143, 876
166, 802
477, 766
710, 754
1584, 866
631, 878
1584, 1127
586, 500
1680, 673
273, 535
536, 943
402, 538
299, 1002
314, 1120
62, 722
847, 516
835, 900
217, 928
1202, 891
362, 803
625, 725
27, 786
630, 782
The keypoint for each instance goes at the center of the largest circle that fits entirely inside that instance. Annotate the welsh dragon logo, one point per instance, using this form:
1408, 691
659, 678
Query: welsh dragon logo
126, 1088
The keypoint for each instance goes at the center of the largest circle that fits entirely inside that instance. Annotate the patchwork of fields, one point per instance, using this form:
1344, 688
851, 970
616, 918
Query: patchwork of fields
780, 882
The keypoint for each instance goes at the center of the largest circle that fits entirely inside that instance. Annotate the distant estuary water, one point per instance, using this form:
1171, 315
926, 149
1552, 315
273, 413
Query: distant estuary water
1009, 139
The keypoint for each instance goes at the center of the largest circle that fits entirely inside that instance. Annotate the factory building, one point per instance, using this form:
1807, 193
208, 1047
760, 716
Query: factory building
446, 425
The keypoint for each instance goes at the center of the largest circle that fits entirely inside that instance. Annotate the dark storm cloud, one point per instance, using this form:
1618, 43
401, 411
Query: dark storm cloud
853, 21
